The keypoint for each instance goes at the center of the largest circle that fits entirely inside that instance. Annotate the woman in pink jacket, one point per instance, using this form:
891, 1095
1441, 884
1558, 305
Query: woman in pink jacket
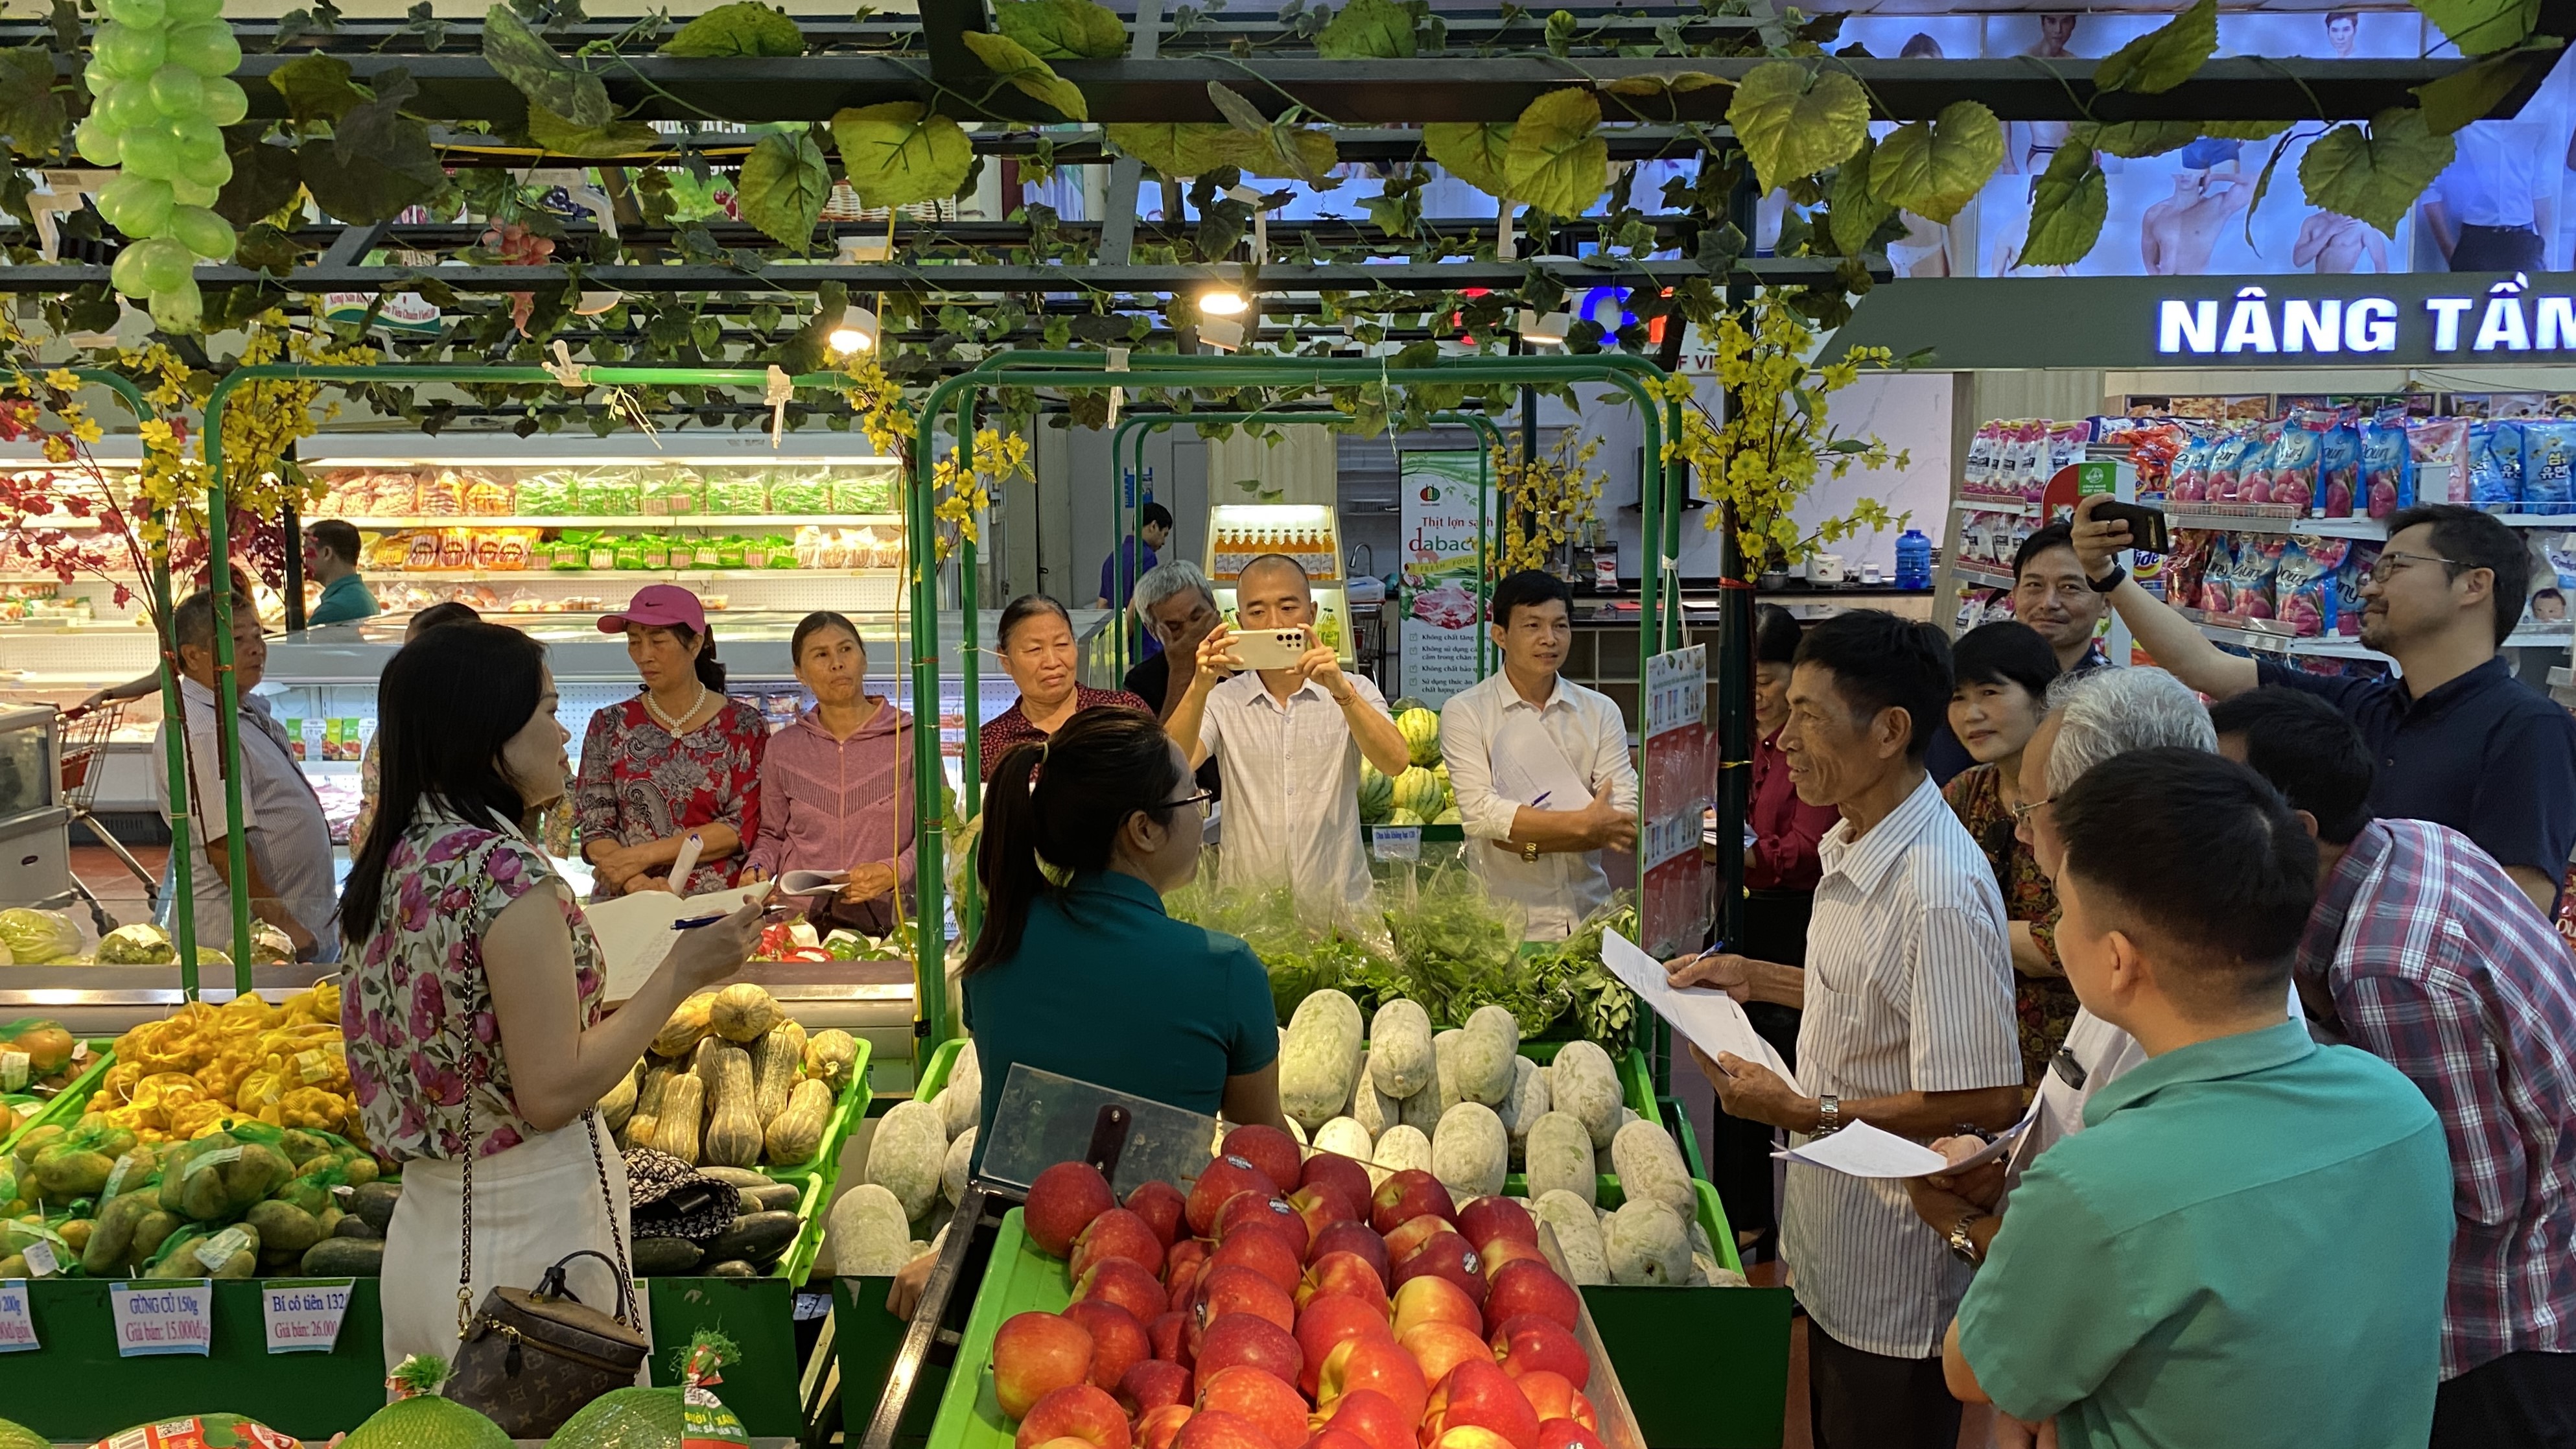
836, 784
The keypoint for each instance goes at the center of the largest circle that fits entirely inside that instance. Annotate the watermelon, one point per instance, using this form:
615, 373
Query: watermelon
1419, 791
1402, 816
420, 1419
1449, 816
1377, 794
1421, 731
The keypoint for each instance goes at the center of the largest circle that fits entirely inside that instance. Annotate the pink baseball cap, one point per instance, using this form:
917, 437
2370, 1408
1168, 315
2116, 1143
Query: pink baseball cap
658, 606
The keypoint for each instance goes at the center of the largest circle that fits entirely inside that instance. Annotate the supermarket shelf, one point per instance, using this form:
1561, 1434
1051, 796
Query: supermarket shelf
2346, 647
2538, 520
2252, 523
1992, 505
633, 520
523, 576
1983, 575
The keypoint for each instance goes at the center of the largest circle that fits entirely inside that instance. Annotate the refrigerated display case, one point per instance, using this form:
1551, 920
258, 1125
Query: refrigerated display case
1310, 533
63, 640
35, 857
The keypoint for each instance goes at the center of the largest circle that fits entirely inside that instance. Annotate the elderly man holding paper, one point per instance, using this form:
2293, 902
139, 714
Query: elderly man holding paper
1540, 765
1908, 996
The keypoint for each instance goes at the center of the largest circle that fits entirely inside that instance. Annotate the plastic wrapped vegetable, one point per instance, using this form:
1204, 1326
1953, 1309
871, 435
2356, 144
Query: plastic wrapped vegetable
141, 945
36, 937
218, 1177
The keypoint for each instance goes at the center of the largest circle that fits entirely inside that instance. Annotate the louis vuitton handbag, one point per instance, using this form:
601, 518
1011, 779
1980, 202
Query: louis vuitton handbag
529, 1358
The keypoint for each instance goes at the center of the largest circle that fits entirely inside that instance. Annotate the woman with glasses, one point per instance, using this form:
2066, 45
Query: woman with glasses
2000, 676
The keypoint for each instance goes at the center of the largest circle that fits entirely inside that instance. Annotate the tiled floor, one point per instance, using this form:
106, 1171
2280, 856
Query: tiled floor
119, 893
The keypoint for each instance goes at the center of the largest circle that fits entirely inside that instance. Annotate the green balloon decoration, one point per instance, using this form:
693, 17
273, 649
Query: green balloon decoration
161, 72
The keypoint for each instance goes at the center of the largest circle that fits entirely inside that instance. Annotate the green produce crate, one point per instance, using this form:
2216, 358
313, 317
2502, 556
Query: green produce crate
68, 1104
18, 1106
1017, 1280
866, 1339
852, 1106
812, 1205
943, 1060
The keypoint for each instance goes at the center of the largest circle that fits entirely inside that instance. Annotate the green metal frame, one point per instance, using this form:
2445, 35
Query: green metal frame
1142, 426
1628, 373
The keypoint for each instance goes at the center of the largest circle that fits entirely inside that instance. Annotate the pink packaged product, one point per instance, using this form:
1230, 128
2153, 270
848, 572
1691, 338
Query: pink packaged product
2339, 460
2217, 587
2304, 584
2298, 452
2227, 466
2348, 579
2066, 444
1976, 476
2190, 480
2258, 563
2030, 459
2441, 441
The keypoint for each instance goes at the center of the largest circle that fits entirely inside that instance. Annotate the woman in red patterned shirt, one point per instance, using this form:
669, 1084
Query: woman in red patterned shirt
679, 759
1039, 654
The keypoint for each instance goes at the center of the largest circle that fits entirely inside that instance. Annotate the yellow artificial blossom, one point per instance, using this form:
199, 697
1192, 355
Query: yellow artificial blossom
1546, 498
887, 419
1777, 442
961, 495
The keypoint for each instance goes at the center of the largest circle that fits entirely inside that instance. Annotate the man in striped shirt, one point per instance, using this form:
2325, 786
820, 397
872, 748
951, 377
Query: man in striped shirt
2422, 951
1908, 997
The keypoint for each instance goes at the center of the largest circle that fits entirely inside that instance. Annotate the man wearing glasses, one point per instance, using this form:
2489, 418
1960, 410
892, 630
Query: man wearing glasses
2458, 741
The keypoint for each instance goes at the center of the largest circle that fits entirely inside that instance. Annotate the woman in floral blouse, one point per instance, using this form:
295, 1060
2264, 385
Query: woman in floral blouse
473, 1009
679, 759
2000, 675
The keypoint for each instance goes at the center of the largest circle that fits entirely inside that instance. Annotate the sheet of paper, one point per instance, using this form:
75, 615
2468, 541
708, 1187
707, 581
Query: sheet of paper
687, 860
635, 931
1528, 767
812, 882
1861, 1150
1711, 1020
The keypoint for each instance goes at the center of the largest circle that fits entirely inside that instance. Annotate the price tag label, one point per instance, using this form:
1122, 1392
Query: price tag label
304, 1313
41, 1260
14, 1067
1396, 842
17, 1326
163, 1317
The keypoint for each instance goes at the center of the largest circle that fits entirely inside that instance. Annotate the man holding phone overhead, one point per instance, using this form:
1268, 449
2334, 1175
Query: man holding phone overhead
1287, 736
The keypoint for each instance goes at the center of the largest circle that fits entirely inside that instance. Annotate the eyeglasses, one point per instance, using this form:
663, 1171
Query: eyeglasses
1200, 800
2391, 560
2022, 812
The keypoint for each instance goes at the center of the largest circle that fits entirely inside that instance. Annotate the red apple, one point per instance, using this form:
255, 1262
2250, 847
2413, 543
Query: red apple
1342, 1273
1035, 1354
1533, 1342
1171, 1335
1263, 1400
1567, 1434
1321, 1205
1062, 1202
1531, 1288
1216, 1429
1234, 1288
1494, 1255
1081, 1412
1181, 1287
1476, 1394
1066, 1441
1488, 1218
1444, 1255
1263, 1249
1150, 1385
1220, 1181
1406, 1195
1157, 1428
1272, 1213
1267, 1148
1412, 1233
1374, 1365
1246, 1341
1184, 1253
1373, 1416
1551, 1397
1441, 1347
1323, 1324
1117, 1233
1329, 1437
1125, 1284
1351, 1237
1344, 1175
1160, 1204
1465, 1436
1432, 1299
1118, 1339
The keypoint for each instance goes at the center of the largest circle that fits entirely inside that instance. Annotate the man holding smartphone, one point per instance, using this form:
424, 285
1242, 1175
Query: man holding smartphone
1288, 742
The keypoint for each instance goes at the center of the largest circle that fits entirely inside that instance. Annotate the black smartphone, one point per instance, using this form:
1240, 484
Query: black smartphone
2146, 525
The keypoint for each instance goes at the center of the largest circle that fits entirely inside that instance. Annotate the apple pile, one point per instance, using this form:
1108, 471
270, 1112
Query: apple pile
1283, 1304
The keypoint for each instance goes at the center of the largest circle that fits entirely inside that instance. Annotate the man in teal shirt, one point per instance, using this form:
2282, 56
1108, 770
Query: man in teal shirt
2247, 1244
331, 560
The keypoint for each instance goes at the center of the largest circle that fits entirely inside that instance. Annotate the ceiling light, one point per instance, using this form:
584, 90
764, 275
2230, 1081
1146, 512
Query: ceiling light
1545, 329
1224, 334
1221, 303
857, 332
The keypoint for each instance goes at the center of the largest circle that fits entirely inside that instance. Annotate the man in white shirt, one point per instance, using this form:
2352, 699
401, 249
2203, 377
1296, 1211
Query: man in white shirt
1908, 996
1288, 744
288, 841
1542, 844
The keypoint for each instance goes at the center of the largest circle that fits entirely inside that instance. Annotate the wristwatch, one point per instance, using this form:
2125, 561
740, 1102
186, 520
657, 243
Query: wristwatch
2112, 580
1829, 1115
1529, 851
1963, 1247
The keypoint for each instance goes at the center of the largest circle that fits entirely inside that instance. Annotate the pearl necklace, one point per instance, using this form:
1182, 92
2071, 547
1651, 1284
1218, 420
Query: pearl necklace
670, 725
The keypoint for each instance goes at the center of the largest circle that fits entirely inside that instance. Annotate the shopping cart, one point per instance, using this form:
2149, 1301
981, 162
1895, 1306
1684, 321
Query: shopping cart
85, 730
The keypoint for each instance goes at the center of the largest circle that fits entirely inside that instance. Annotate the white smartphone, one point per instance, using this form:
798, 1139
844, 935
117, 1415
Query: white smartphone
1269, 648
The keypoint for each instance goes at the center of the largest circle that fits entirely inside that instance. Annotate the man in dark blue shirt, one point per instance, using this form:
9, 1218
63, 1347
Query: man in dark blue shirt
2458, 740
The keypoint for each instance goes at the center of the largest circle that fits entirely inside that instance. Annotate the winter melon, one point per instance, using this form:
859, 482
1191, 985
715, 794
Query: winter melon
1421, 731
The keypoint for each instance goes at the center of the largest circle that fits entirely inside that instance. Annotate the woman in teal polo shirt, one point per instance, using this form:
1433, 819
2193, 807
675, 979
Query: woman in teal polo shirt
1090, 980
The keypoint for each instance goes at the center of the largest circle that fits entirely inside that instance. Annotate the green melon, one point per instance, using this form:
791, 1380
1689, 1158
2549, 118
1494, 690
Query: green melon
19, 1436
624, 1419
1449, 816
1377, 794
426, 1422
1421, 731
1402, 816
1419, 792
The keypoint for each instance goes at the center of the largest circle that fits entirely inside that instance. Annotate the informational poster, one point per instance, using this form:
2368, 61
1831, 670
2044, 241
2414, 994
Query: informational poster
1677, 789
1439, 589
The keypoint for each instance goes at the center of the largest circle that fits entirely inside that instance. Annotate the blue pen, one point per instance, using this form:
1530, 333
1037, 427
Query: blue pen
1542, 798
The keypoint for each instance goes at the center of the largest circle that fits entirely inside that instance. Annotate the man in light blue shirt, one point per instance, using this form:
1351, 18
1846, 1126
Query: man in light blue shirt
2247, 1245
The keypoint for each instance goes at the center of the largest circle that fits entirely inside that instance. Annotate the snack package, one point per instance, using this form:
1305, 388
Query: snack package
2548, 453
678, 493
489, 495
2155, 449
1977, 474
729, 551
2304, 585
627, 552
866, 493
2349, 577
442, 495
392, 494
737, 491
2227, 466
2189, 482
2258, 564
2217, 575
616, 495
550, 495
800, 494
570, 550
653, 551
455, 549
2185, 566
2339, 466
2297, 451
2387, 463
2495, 463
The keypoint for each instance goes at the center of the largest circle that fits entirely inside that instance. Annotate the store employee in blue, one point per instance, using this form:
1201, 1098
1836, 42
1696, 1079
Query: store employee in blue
2458, 739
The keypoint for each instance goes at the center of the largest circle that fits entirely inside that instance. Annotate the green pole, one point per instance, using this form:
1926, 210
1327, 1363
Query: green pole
970, 903
930, 937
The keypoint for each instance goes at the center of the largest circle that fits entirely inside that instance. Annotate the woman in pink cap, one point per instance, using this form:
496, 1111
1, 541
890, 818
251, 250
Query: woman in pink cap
679, 759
